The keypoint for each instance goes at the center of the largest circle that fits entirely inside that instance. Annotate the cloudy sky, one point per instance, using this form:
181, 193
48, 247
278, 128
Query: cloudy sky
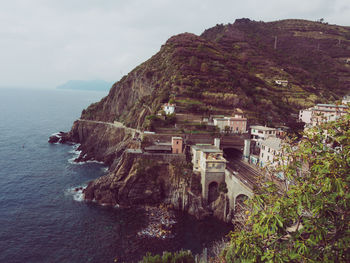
44, 43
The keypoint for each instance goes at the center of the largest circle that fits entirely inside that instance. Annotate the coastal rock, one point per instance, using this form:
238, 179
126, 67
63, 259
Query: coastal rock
220, 207
151, 181
55, 138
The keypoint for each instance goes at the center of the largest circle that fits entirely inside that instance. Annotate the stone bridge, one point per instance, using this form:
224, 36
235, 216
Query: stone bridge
236, 189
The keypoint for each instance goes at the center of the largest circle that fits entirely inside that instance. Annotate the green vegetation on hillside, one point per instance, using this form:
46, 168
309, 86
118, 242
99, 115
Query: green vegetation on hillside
235, 66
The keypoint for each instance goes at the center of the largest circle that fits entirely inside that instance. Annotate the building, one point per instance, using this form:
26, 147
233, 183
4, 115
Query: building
159, 148
322, 113
177, 145
168, 108
259, 133
305, 115
281, 132
270, 152
280, 82
208, 160
346, 100
236, 124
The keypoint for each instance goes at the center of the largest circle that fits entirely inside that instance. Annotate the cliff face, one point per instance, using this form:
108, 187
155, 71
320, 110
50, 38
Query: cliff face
100, 141
151, 180
235, 65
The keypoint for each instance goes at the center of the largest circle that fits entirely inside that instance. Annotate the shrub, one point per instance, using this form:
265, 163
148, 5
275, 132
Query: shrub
168, 257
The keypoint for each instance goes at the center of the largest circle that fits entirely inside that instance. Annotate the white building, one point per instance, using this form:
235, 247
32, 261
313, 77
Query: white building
305, 115
346, 100
280, 82
168, 108
270, 152
322, 113
260, 133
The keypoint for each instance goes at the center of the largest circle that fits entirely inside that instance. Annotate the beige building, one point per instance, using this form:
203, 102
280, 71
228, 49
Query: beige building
236, 124
270, 152
209, 161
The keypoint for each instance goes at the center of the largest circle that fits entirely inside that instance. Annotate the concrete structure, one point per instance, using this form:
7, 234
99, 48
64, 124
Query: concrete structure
176, 144
168, 108
235, 189
280, 82
322, 113
209, 161
236, 124
270, 152
259, 133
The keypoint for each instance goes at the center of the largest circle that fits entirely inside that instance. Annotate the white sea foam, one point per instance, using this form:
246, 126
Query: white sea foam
76, 192
58, 134
76, 153
160, 224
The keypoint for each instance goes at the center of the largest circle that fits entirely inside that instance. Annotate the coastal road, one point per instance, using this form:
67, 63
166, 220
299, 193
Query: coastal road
114, 124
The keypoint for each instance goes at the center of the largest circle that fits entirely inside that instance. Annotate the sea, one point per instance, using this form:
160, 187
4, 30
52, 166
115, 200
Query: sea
43, 217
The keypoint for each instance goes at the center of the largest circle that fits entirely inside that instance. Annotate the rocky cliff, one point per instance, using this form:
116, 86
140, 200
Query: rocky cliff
149, 180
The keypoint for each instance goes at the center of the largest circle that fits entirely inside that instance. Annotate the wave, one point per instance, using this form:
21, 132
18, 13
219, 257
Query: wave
76, 192
160, 224
76, 153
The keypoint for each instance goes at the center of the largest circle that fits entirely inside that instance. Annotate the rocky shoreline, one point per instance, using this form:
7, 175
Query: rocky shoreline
133, 180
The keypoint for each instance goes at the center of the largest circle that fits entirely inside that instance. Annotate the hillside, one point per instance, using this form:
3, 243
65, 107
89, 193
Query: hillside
236, 65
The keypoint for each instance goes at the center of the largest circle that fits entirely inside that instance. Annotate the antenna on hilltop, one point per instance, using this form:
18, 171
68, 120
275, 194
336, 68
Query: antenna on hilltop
275, 45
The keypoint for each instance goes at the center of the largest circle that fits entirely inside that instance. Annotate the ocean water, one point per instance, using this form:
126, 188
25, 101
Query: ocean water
43, 218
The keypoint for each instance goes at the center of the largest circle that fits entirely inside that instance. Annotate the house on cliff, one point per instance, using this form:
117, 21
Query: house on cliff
168, 108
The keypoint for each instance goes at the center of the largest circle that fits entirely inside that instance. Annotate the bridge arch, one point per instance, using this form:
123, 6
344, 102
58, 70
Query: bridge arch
213, 191
239, 200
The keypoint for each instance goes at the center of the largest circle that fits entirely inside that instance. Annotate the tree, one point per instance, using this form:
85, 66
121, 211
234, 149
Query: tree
309, 221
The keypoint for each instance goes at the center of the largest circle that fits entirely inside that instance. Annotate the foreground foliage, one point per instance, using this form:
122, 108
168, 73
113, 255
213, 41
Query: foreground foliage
168, 257
309, 221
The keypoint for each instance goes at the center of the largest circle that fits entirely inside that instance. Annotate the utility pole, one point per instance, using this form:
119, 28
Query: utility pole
275, 45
